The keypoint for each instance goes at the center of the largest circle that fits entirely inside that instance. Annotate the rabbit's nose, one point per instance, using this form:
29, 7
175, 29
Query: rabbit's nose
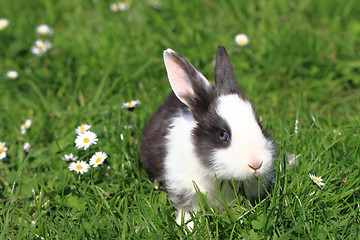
255, 164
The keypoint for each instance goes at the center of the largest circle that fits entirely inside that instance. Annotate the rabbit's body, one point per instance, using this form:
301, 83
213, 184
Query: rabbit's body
203, 136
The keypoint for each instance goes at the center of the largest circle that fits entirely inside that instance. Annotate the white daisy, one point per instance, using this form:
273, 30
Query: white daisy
241, 40
123, 6
4, 23
26, 147
120, 6
44, 30
25, 126
82, 128
69, 157
28, 123
317, 180
79, 167
85, 139
22, 129
40, 47
3, 150
114, 7
97, 159
11, 75
130, 105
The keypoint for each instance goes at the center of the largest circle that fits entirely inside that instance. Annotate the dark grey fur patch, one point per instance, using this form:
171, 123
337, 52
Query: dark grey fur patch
206, 136
224, 75
204, 93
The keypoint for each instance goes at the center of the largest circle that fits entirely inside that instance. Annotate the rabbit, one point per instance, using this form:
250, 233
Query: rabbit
203, 135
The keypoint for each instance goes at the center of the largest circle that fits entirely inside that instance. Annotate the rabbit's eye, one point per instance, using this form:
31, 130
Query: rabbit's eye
224, 136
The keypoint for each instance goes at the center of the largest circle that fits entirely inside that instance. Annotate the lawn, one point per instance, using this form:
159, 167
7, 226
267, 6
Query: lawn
301, 70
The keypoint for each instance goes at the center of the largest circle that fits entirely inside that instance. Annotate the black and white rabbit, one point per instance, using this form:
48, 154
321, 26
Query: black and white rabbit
204, 134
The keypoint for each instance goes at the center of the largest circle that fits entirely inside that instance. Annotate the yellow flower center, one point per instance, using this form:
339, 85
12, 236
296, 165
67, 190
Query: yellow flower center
114, 7
2, 25
79, 167
37, 197
82, 128
98, 160
1, 150
316, 180
241, 42
42, 47
27, 126
43, 31
86, 140
129, 104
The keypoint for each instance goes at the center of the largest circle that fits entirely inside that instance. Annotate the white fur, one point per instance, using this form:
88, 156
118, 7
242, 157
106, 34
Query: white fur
248, 145
182, 167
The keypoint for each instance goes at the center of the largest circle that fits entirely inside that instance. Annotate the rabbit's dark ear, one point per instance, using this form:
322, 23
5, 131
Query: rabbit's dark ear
224, 75
188, 84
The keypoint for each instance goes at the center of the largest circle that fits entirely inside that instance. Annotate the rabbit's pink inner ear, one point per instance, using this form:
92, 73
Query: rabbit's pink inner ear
179, 79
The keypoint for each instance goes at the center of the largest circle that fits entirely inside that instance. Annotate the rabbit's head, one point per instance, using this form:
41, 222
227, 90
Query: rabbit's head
228, 137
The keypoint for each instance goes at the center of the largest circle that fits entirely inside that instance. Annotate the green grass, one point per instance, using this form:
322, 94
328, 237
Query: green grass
302, 64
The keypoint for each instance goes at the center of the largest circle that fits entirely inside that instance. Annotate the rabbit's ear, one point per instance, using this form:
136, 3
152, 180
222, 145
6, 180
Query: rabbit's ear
224, 75
188, 84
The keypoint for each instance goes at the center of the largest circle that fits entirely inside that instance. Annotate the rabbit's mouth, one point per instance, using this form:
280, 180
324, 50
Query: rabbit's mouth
255, 167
